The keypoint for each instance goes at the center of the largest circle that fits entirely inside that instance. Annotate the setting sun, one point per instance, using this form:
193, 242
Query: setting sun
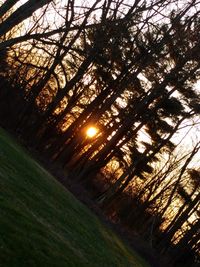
91, 132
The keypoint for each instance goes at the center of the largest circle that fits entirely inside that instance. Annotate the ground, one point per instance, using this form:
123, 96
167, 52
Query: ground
43, 224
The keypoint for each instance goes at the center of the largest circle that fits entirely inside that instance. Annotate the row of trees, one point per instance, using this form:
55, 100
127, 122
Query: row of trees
129, 69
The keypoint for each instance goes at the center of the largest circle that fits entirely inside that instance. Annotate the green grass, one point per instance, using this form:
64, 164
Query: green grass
42, 224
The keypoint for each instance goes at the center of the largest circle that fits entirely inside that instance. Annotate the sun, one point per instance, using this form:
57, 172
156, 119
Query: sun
91, 131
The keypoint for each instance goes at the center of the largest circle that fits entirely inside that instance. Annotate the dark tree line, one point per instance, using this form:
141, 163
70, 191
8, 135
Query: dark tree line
130, 70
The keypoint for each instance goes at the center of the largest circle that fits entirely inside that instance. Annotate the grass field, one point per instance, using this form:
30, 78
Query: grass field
42, 224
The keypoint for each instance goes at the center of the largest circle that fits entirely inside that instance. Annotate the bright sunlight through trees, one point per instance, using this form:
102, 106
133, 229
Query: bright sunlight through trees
91, 132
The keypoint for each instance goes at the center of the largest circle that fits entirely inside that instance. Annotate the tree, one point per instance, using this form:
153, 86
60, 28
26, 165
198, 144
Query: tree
167, 107
129, 70
6, 6
18, 16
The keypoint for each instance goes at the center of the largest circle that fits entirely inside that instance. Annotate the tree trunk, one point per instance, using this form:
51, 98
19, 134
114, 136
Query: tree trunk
7, 5
22, 13
169, 233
